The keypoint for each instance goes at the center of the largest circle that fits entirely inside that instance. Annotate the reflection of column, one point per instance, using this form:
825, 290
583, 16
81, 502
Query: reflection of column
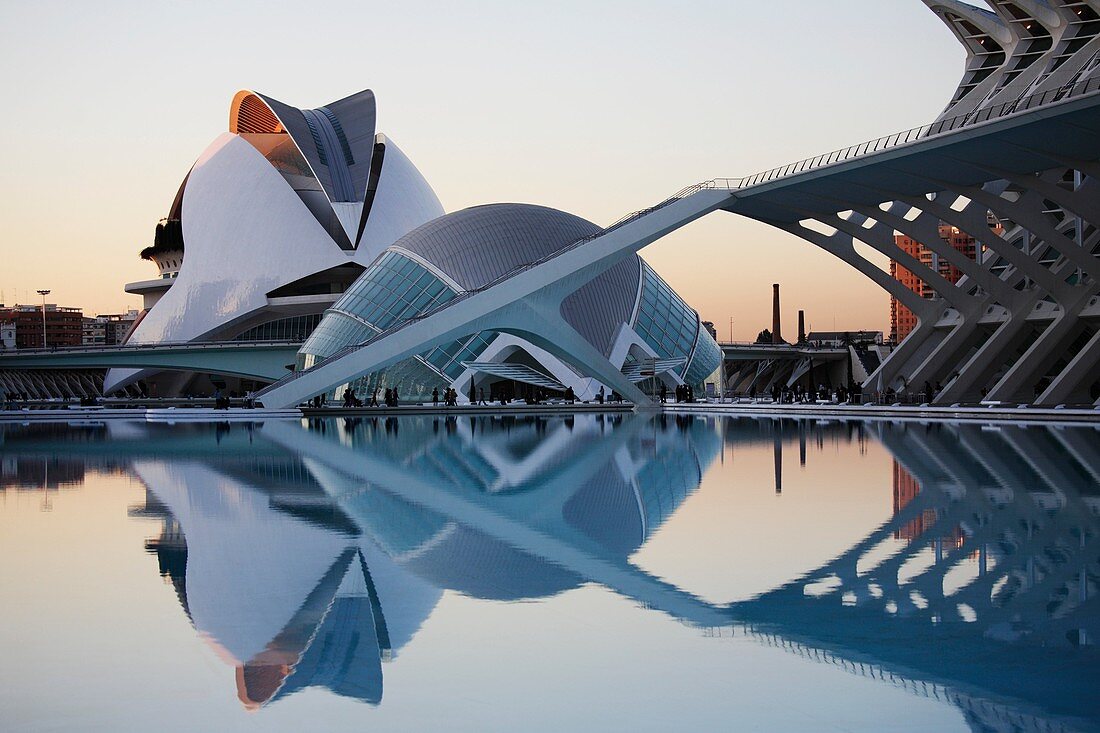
802, 444
777, 450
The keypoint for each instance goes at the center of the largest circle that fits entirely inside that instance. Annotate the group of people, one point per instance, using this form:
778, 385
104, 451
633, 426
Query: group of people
450, 397
351, 399
12, 400
799, 394
684, 393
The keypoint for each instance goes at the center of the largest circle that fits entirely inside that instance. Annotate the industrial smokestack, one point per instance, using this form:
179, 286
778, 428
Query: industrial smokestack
777, 337
801, 327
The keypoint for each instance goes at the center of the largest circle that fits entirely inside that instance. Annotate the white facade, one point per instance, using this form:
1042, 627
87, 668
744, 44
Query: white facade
253, 214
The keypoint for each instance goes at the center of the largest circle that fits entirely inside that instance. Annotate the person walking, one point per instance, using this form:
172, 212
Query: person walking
481, 396
435, 396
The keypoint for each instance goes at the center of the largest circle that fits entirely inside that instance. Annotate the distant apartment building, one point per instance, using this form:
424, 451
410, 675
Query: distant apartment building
64, 326
108, 329
7, 335
902, 320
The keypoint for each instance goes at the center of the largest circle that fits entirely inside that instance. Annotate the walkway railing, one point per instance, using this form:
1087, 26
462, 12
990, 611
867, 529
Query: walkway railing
985, 114
162, 345
1015, 106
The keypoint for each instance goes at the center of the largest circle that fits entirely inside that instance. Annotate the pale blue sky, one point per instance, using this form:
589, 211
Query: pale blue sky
595, 108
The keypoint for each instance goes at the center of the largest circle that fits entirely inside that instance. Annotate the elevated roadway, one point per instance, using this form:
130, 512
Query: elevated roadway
263, 360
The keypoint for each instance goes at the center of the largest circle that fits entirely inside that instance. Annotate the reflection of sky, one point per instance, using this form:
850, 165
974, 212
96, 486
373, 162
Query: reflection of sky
562, 652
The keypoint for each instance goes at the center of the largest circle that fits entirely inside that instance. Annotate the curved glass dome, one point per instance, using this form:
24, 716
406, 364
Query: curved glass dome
469, 249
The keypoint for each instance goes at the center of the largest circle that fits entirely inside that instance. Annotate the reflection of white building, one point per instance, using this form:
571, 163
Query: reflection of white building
275, 219
284, 591
299, 573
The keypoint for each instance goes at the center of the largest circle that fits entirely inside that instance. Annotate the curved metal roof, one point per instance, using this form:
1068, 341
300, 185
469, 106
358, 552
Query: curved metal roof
337, 139
476, 245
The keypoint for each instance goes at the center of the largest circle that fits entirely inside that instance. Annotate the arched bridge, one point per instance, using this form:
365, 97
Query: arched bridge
1023, 324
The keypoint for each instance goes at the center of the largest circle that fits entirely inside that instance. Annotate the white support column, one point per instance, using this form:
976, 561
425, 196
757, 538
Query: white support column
1074, 379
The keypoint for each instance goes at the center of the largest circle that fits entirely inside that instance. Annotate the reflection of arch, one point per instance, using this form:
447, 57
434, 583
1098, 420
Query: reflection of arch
1020, 500
446, 520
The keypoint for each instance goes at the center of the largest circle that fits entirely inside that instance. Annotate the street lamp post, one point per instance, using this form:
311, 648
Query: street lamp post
44, 293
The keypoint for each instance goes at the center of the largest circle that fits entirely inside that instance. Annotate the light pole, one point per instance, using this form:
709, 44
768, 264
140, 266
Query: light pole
44, 293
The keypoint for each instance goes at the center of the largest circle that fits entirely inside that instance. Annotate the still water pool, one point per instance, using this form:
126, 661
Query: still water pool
606, 573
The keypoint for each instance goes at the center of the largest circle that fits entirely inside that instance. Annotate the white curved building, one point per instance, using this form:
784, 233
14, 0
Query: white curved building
628, 315
284, 212
275, 219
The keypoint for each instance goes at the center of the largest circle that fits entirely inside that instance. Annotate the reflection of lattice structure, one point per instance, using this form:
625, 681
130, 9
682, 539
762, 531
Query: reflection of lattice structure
906, 488
1025, 505
1019, 584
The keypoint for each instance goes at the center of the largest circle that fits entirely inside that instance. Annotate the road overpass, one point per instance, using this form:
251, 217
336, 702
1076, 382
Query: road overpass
64, 371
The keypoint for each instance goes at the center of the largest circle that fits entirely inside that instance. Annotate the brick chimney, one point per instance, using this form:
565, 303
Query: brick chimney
777, 337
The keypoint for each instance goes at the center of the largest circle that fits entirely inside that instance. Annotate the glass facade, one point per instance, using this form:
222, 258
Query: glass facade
672, 329
448, 359
394, 289
707, 357
412, 379
665, 321
293, 328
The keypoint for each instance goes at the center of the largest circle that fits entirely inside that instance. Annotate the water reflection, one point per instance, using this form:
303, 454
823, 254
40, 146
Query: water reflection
309, 554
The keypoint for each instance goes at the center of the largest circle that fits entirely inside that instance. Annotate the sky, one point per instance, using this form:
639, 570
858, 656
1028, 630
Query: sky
596, 108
